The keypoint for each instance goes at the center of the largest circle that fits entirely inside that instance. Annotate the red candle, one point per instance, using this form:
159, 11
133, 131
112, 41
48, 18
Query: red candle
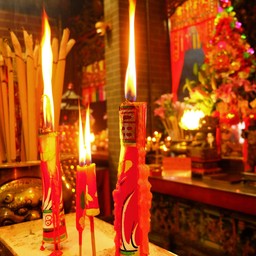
80, 203
92, 205
86, 188
132, 197
80, 186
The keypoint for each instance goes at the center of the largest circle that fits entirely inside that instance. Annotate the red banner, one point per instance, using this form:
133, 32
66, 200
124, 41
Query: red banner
191, 27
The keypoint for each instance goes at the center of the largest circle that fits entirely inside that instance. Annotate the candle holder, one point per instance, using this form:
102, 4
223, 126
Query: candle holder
54, 227
132, 195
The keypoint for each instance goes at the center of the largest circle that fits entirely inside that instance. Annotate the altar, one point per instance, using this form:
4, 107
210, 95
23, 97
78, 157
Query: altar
26, 239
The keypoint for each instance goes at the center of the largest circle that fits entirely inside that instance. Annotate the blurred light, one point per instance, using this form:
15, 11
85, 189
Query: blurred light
103, 28
238, 24
191, 119
92, 137
251, 51
149, 138
241, 126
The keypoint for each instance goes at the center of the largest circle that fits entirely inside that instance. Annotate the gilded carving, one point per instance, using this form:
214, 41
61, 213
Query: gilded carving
20, 200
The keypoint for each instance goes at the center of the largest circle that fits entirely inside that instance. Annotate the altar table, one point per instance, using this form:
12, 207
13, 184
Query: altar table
24, 239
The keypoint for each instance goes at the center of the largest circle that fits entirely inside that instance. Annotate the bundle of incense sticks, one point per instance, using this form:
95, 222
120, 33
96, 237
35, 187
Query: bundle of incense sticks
27, 67
59, 63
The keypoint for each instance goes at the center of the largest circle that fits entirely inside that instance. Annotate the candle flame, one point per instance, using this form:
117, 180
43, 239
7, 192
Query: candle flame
85, 139
82, 151
88, 136
130, 78
48, 107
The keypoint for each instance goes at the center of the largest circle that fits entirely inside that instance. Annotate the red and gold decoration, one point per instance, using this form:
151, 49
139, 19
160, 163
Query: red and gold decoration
190, 30
54, 228
93, 82
132, 197
226, 86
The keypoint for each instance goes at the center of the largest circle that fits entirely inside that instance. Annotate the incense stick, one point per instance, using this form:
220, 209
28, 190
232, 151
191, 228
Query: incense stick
31, 94
2, 132
65, 47
80, 234
38, 82
6, 112
38, 95
21, 72
92, 235
12, 116
55, 56
1, 145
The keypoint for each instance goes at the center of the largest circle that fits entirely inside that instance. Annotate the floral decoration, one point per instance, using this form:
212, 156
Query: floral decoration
170, 112
227, 81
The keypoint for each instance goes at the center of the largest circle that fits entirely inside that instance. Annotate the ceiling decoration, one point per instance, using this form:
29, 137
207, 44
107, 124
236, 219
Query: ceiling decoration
82, 27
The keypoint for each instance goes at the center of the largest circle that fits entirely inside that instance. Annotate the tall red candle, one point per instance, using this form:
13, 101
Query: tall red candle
54, 228
132, 197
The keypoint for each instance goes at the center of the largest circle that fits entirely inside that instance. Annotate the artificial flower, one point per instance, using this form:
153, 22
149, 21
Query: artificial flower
170, 111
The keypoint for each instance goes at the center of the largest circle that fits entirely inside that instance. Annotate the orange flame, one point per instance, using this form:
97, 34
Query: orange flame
48, 107
84, 139
130, 78
87, 135
82, 151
